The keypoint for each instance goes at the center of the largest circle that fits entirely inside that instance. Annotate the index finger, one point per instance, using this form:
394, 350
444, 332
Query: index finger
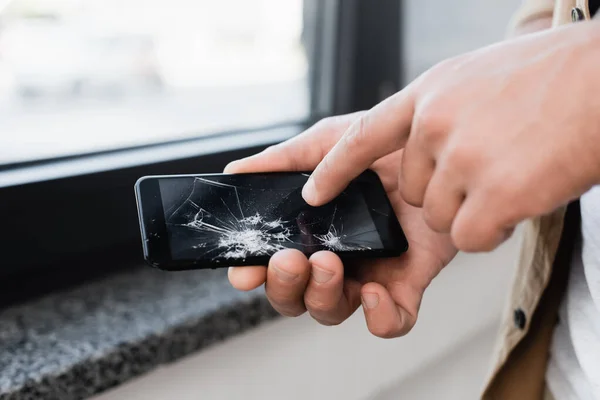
301, 153
378, 132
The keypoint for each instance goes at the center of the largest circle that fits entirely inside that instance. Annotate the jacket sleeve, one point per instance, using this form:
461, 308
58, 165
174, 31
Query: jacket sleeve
531, 10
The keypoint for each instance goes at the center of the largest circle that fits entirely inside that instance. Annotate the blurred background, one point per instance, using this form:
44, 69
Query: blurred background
107, 74
83, 82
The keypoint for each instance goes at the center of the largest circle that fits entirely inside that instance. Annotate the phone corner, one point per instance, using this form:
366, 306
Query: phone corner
138, 183
405, 247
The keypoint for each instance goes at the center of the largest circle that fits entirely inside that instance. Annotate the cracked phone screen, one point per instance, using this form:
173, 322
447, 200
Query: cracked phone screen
233, 217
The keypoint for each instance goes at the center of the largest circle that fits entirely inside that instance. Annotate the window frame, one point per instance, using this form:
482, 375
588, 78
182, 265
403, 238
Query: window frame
60, 213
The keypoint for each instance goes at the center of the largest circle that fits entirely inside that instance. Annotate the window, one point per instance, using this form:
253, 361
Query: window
83, 76
97, 93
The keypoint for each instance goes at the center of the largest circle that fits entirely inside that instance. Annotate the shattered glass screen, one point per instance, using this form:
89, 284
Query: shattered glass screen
239, 216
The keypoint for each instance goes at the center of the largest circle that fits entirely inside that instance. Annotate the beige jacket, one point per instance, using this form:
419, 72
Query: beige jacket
522, 352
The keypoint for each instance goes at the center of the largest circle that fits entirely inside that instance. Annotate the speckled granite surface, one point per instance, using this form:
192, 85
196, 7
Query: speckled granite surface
73, 344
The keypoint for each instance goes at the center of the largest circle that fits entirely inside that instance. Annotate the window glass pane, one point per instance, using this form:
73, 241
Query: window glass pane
81, 76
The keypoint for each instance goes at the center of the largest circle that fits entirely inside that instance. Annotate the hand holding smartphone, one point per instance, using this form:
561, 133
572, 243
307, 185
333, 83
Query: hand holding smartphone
220, 220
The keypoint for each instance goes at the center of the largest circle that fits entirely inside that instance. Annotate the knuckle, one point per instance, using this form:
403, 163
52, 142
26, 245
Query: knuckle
286, 306
319, 306
428, 216
355, 138
508, 199
435, 220
410, 195
515, 200
523, 203
412, 189
460, 158
430, 123
323, 173
325, 166
510, 205
459, 237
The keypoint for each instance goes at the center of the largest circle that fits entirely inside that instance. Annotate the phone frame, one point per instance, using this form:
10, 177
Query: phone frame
156, 240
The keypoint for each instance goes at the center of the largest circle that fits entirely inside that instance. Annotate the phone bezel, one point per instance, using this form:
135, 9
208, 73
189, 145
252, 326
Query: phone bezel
156, 243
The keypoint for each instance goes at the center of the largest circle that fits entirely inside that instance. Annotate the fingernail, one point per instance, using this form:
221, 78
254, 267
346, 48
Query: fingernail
370, 300
321, 275
285, 275
308, 191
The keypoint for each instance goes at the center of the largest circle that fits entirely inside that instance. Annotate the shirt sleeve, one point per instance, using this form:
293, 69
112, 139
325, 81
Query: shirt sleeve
531, 10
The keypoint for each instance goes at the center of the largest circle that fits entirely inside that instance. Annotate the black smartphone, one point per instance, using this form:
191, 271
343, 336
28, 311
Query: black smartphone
219, 220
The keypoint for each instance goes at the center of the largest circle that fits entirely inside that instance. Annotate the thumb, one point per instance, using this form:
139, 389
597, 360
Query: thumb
301, 153
385, 319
